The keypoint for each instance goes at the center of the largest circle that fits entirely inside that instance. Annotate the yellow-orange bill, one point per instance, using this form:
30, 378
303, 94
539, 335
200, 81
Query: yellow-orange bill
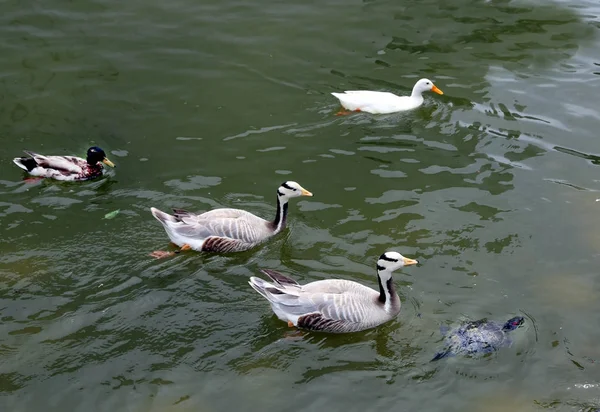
108, 162
436, 90
305, 192
409, 262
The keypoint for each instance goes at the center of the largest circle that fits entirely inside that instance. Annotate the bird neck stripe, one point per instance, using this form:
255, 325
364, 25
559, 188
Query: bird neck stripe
281, 215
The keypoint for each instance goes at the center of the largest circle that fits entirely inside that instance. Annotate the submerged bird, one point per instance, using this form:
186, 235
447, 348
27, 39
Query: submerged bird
384, 102
66, 168
225, 230
334, 305
478, 337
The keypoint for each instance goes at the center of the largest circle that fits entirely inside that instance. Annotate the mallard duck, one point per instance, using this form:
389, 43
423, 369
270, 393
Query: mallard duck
334, 305
225, 230
384, 102
66, 168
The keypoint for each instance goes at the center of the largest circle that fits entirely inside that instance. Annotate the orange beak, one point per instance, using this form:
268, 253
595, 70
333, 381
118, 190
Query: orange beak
436, 90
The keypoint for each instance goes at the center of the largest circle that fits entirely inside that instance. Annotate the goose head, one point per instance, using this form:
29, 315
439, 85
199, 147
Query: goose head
425, 85
390, 261
290, 189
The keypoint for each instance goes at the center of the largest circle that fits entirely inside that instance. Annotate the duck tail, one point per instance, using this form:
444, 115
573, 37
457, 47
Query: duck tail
25, 163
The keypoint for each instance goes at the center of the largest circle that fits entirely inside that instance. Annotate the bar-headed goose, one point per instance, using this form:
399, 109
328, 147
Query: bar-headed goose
225, 230
335, 305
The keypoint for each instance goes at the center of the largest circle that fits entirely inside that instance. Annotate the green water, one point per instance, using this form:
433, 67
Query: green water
204, 104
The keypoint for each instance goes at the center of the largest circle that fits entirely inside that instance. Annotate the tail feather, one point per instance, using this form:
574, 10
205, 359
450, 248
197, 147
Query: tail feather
162, 217
279, 295
279, 278
273, 293
181, 213
25, 163
260, 286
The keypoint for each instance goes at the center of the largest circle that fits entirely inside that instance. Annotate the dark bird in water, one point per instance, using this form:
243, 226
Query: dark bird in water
478, 337
66, 168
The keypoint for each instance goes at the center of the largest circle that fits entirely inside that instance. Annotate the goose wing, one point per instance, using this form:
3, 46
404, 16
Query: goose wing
332, 305
222, 213
341, 300
227, 223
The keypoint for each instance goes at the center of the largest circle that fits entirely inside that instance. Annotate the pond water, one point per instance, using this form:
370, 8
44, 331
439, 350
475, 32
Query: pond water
493, 186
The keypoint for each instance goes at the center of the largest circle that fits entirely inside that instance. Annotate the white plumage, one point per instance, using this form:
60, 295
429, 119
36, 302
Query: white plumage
385, 102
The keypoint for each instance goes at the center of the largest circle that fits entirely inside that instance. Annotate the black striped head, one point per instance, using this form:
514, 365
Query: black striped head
96, 155
291, 189
390, 261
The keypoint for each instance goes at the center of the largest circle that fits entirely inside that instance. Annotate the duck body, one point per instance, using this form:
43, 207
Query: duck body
334, 305
65, 168
478, 337
377, 102
225, 230
385, 102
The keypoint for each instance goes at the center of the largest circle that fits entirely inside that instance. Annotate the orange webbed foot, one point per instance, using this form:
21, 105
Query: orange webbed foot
32, 179
161, 254
344, 112
290, 324
293, 335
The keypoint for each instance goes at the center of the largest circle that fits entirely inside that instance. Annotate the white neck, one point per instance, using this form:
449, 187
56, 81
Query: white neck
386, 288
416, 94
281, 214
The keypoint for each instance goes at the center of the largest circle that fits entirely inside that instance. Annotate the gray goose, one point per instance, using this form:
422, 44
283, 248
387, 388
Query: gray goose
334, 305
225, 230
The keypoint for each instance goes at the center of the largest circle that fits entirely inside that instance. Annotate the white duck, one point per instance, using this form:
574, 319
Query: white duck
385, 102
334, 305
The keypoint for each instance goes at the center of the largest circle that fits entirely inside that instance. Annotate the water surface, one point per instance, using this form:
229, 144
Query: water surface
493, 186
